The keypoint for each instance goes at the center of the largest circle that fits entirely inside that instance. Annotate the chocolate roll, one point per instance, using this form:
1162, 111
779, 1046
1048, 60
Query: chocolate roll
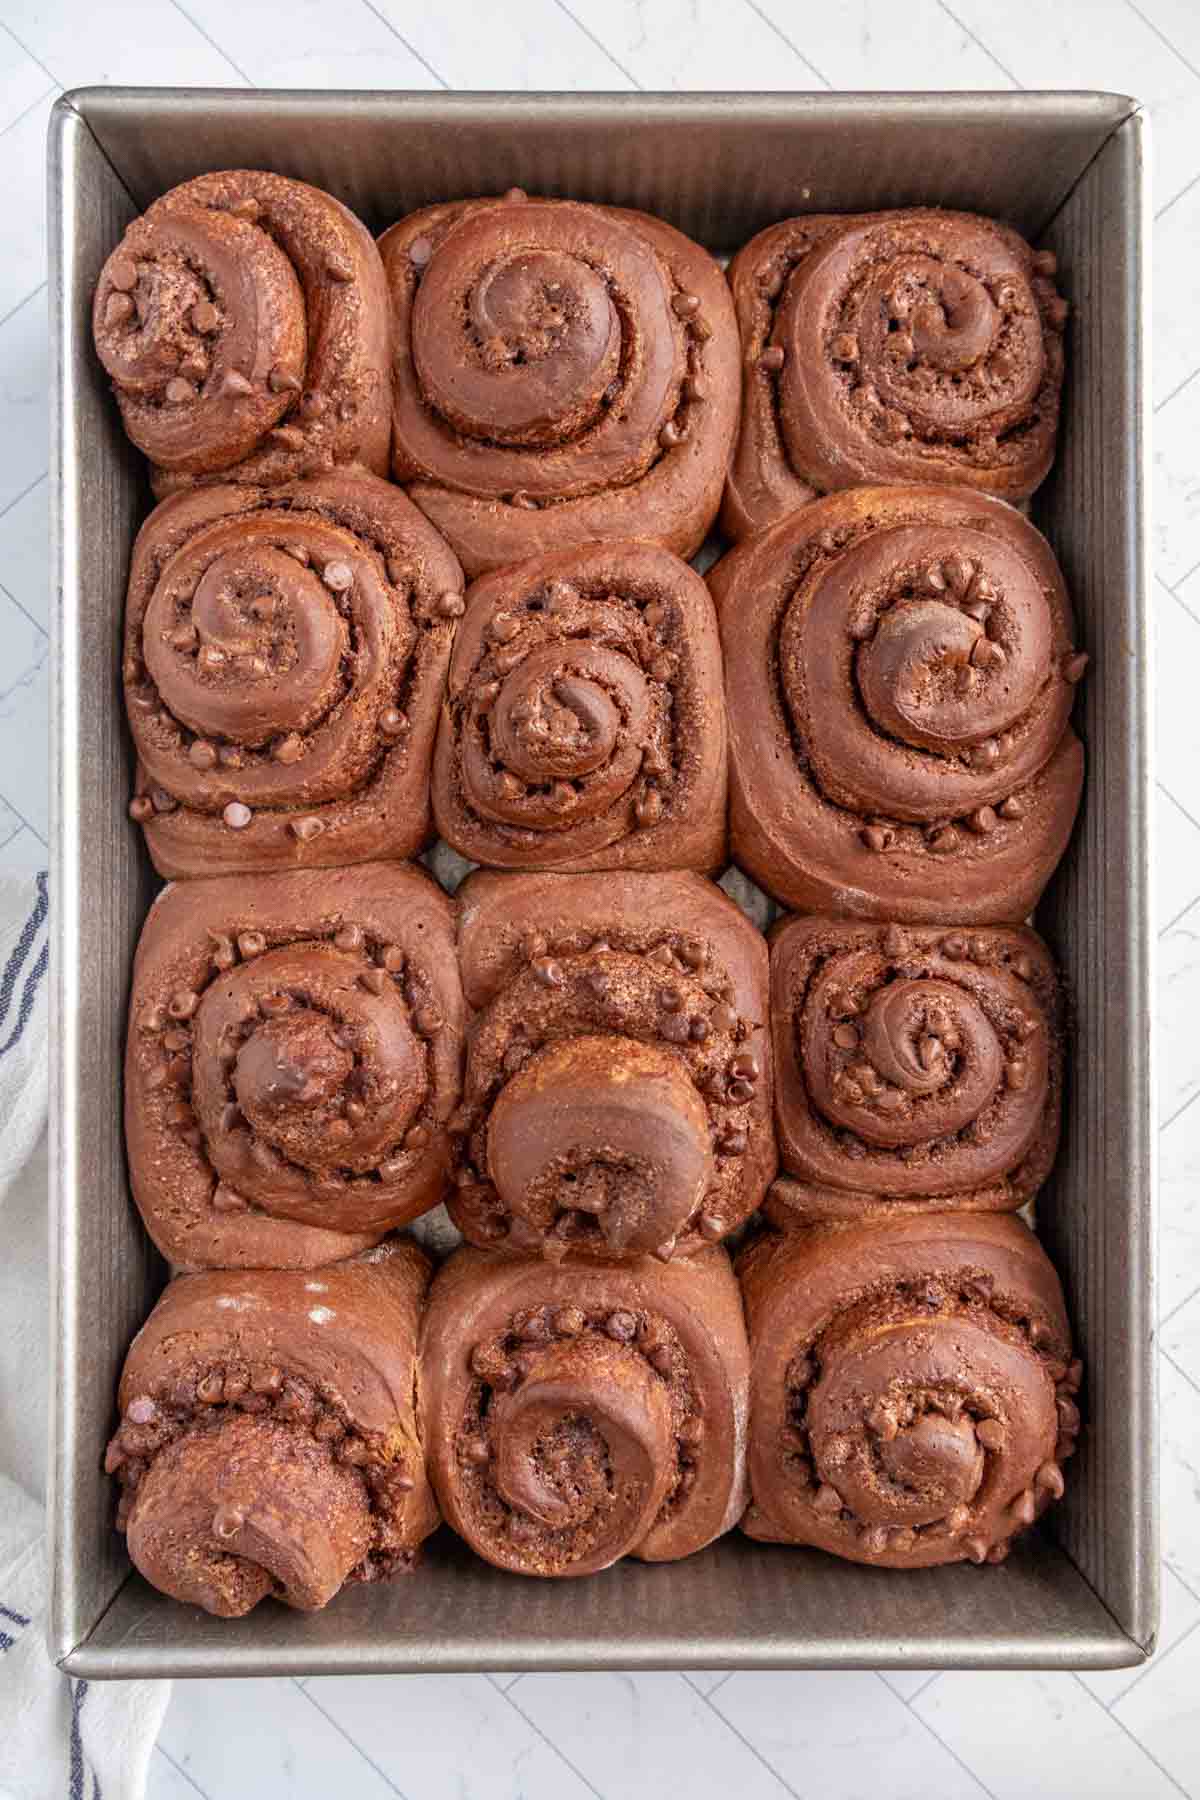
292, 1064
285, 661
892, 347
580, 1413
269, 1444
913, 1068
562, 373
912, 1387
617, 1096
584, 725
244, 323
900, 665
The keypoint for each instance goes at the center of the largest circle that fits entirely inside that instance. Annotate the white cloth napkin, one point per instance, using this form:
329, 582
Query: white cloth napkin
81, 1740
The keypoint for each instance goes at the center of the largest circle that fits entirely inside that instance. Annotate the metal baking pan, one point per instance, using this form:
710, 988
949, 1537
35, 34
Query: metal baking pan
1069, 171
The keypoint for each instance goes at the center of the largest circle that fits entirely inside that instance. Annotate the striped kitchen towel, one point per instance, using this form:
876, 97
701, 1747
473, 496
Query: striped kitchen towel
58, 1737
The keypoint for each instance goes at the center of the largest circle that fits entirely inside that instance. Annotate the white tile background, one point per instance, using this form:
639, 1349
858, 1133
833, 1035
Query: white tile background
556, 1737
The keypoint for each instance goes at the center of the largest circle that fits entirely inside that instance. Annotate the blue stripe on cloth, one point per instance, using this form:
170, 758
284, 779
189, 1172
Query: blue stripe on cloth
6, 1612
6, 1643
78, 1696
29, 931
27, 998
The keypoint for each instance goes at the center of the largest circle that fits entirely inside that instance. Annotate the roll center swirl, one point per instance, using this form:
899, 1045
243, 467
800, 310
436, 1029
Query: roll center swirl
584, 1445
953, 323
923, 1062
542, 343
256, 651
290, 1064
910, 675
611, 1129
203, 1530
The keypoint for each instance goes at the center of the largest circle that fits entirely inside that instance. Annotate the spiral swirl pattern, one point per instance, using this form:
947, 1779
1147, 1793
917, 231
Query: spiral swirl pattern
268, 1443
292, 1064
913, 1392
900, 669
914, 1067
892, 347
243, 321
617, 1093
285, 659
585, 727
563, 373
580, 1414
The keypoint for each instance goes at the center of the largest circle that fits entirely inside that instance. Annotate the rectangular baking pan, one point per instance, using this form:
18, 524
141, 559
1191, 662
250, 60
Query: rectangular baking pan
1069, 171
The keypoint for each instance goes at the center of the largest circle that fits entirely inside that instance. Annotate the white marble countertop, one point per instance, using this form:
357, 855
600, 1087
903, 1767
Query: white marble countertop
1129, 1735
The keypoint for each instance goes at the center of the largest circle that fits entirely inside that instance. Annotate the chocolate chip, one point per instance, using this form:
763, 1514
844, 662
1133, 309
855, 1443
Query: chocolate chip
548, 972
772, 359
685, 305
122, 274
141, 808
393, 723
621, 1327
178, 391
987, 655
120, 308
338, 577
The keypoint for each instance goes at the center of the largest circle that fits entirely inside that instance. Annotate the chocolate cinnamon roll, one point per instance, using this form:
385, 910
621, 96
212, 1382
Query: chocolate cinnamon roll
912, 1388
269, 1444
617, 1097
900, 665
285, 660
562, 373
897, 346
243, 321
292, 1065
913, 1067
583, 1413
585, 726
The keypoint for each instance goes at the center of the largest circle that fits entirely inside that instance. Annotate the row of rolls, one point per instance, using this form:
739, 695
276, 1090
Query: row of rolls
868, 702
601, 1075
741, 1227
896, 1391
